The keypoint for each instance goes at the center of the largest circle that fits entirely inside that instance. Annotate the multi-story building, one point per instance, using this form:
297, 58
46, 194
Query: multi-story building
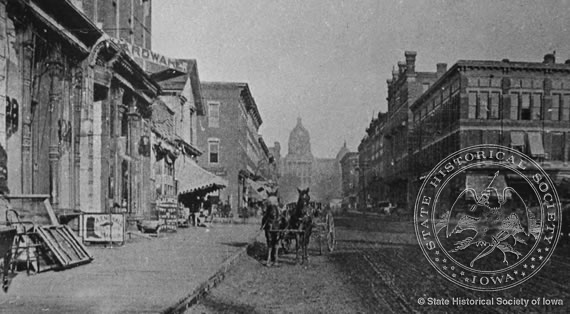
404, 88
371, 161
349, 175
77, 109
129, 20
524, 105
233, 147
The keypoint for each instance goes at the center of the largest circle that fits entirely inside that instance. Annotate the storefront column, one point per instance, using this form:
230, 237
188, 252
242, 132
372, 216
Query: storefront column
77, 101
27, 51
134, 167
55, 71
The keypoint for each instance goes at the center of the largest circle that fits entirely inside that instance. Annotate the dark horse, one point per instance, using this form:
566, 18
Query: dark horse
302, 221
271, 222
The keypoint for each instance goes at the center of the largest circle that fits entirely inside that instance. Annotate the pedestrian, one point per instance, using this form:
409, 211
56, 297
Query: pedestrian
4, 190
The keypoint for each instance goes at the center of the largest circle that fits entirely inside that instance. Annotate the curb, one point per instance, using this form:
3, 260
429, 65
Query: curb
184, 304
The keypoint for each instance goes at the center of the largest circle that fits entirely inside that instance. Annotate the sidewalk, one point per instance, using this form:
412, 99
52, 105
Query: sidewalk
143, 276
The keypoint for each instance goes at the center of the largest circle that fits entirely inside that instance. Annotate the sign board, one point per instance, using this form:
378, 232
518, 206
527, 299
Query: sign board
168, 214
146, 55
102, 227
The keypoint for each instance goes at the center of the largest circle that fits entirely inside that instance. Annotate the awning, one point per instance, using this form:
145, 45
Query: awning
535, 143
517, 138
193, 178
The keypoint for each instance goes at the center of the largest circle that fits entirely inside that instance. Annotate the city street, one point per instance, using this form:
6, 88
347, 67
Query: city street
377, 267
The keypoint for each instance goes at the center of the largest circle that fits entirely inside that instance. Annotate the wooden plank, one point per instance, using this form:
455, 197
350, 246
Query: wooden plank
51, 213
288, 230
49, 242
63, 245
82, 254
26, 196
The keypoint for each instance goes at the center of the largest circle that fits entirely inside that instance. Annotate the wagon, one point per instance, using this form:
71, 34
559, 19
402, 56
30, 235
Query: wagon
323, 230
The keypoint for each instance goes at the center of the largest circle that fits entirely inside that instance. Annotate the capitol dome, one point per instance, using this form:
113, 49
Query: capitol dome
299, 140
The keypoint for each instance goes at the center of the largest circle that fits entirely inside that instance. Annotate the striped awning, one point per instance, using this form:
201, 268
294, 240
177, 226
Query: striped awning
193, 178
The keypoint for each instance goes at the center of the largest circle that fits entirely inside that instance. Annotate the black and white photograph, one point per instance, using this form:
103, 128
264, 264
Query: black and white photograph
284, 156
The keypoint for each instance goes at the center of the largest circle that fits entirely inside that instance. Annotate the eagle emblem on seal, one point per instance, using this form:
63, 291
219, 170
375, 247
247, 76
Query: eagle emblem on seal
492, 219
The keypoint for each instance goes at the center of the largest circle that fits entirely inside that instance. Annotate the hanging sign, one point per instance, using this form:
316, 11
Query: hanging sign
151, 56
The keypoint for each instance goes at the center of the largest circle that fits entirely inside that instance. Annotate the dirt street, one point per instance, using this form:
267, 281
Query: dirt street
377, 267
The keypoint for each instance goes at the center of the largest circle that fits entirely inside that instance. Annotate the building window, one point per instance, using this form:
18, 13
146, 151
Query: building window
555, 109
169, 169
565, 114
214, 115
525, 107
557, 146
214, 151
483, 105
472, 105
494, 105
514, 106
536, 107
425, 87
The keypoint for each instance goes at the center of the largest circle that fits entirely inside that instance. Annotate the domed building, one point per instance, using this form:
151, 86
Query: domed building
300, 169
299, 160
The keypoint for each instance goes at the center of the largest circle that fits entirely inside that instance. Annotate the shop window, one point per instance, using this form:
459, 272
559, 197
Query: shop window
525, 107
214, 115
555, 108
483, 105
213, 151
472, 105
494, 105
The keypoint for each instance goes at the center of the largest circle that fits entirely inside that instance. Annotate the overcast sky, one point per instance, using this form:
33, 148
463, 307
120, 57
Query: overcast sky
327, 61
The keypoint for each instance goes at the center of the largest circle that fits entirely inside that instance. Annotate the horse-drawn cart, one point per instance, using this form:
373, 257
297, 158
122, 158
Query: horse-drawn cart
323, 229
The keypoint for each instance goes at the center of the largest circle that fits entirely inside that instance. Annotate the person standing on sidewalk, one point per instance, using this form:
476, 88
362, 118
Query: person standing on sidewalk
4, 190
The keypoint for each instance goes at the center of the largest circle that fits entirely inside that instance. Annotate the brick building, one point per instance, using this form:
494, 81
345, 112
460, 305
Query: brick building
233, 148
523, 105
349, 177
129, 20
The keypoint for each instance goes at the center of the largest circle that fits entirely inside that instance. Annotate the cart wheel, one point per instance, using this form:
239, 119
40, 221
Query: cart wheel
331, 240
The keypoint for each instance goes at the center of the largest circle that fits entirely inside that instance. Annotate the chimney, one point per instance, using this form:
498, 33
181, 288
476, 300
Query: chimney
401, 67
441, 69
395, 75
549, 58
411, 61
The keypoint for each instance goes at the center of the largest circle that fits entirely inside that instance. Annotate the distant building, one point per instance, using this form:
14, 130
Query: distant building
349, 177
300, 169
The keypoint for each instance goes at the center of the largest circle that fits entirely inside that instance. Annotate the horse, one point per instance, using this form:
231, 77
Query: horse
302, 221
271, 222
